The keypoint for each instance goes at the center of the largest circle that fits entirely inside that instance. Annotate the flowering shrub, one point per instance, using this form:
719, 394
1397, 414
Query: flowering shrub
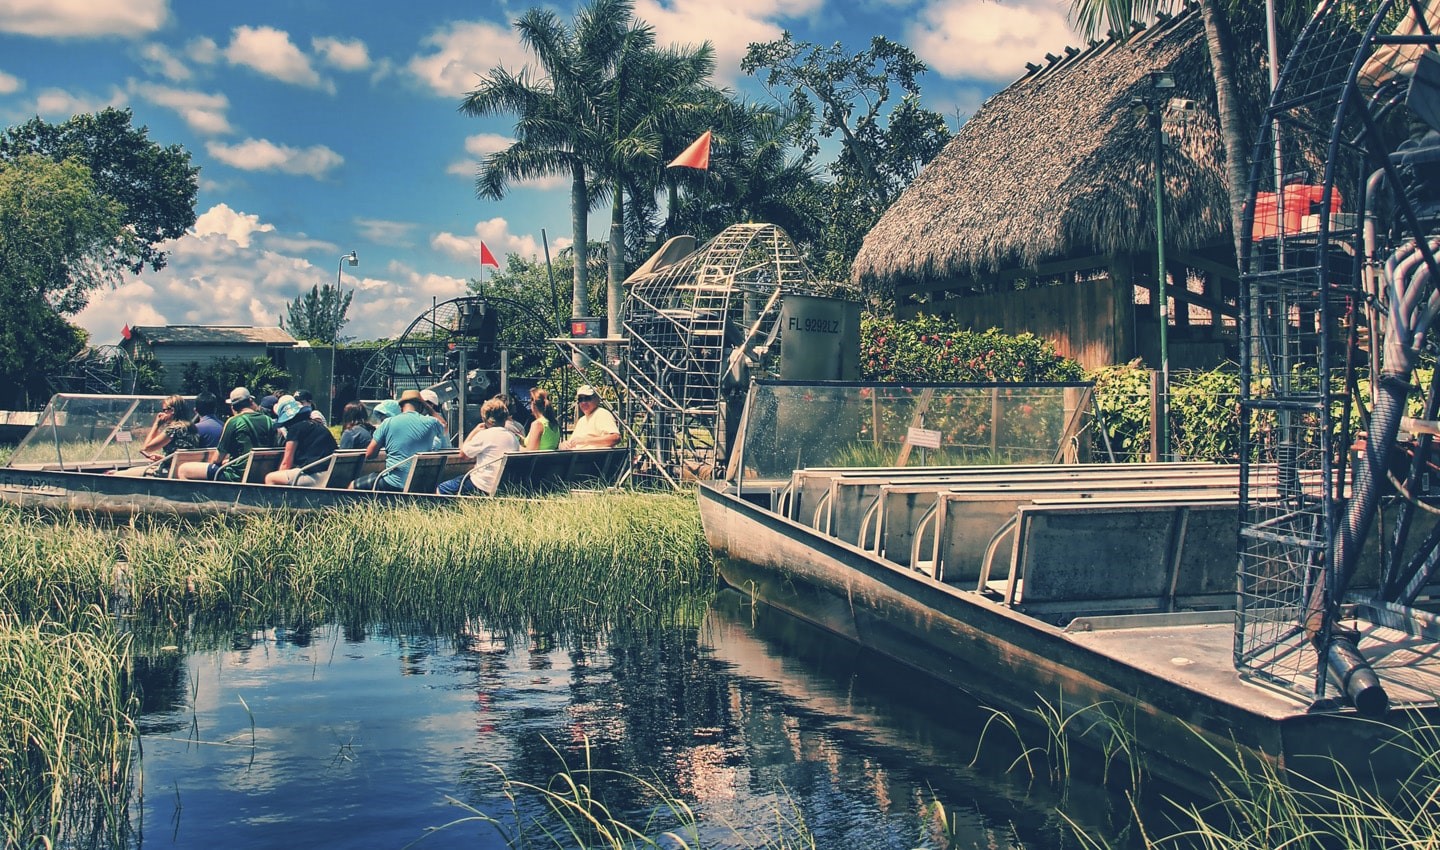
932, 349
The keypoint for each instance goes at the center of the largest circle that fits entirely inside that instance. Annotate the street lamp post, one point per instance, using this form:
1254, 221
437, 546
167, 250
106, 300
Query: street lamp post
353, 260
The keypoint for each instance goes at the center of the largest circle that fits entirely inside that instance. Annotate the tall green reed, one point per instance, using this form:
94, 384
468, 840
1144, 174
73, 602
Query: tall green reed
66, 733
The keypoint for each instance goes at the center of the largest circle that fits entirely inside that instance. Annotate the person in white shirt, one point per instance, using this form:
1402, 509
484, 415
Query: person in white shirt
596, 427
486, 445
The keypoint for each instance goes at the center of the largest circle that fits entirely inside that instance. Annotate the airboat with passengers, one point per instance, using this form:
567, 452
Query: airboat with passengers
1264, 606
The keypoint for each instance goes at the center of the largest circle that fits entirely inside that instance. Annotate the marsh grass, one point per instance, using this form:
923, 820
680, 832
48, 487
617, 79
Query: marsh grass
578, 560
66, 732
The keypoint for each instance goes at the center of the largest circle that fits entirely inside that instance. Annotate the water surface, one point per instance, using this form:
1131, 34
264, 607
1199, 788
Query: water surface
360, 738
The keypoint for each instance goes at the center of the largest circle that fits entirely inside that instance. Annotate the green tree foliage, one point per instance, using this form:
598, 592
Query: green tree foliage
319, 315
55, 231
155, 185
847, 95
223, 374
932, 349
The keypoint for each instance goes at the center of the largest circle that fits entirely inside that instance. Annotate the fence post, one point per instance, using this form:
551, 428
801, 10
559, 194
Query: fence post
1154, 416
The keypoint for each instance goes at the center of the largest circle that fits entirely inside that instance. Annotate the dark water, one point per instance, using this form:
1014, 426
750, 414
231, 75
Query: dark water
336, 739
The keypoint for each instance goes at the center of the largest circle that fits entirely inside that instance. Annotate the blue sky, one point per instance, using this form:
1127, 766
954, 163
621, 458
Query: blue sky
323, 127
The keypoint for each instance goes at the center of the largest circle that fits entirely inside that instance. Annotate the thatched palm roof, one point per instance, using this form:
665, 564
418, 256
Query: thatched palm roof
1059, 165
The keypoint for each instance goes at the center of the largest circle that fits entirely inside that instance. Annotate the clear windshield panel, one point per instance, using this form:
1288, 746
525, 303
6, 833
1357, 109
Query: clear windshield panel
88, 431
791, 426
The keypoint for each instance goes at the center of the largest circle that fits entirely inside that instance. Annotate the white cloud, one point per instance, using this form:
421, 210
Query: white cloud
203, 50
345, 55
270, 52
988, 40
82, 18
9, 83
59, 103
482, 145
496, 235
264, 155
204, 113
300, 245
159, 59
729, 27
463, 52
236, 226
382, 232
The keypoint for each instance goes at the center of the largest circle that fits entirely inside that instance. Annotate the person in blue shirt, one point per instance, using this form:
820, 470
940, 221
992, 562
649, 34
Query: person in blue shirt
403, 436
209, 425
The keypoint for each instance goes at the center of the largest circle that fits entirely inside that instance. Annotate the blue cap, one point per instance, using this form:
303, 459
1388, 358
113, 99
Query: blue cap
387, 408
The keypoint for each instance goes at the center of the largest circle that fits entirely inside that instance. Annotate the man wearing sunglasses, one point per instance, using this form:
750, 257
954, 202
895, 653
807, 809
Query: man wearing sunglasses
595, 428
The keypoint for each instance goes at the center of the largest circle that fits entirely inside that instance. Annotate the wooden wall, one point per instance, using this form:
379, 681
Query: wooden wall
1090, 322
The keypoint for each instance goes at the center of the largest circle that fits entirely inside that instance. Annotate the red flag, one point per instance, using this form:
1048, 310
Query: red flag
695, 156
125, 331
487, 258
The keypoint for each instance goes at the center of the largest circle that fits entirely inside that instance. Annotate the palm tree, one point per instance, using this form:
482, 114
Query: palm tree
556, 132
647, 86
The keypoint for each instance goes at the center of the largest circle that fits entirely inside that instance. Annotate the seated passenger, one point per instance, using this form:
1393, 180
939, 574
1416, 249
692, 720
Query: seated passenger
543, 435
209, 424
486, 445
596, 427
248, 429
355, 426
307, 399
307, 442
172, 430
403, 436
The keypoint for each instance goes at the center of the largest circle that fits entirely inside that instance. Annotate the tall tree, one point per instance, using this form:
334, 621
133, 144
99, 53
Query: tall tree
556, 106
646, 86
848, 94
154, 184
57, 232
318, 315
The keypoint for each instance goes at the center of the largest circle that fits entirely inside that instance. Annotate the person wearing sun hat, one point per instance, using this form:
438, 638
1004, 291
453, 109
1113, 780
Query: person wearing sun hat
403, 436
307, 442
595, 428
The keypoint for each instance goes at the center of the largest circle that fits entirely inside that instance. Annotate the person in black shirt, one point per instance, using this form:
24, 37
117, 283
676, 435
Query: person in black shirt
306, 442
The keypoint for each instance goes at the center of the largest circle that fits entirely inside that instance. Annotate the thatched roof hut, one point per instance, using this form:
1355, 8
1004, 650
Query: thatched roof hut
1054, 175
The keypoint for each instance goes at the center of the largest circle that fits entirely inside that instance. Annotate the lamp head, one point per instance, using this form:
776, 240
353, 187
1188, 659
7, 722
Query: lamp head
1162, 80
351, 258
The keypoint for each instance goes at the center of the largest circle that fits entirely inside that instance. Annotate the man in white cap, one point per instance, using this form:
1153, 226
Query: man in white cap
595, 428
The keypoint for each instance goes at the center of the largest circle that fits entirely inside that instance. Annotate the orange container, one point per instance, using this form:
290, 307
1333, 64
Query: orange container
1301, 199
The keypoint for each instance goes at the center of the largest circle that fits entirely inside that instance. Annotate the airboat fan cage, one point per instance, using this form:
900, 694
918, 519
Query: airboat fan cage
485, 338
1338, 289
106, 370
698, 324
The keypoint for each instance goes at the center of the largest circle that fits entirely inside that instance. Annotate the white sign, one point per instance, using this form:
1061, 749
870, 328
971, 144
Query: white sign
923, 438
124, 437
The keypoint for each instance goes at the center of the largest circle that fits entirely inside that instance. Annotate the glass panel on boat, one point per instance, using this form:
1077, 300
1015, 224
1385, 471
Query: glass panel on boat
78, 431
794, 425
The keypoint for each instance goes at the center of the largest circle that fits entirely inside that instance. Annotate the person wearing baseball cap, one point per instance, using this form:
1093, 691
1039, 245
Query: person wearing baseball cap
247, 430
595, 428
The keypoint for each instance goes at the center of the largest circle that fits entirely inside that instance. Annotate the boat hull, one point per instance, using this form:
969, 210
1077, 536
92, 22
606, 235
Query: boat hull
124, 496
1021, 664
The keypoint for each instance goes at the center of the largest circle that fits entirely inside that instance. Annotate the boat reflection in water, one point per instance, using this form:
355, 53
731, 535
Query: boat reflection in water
336, 739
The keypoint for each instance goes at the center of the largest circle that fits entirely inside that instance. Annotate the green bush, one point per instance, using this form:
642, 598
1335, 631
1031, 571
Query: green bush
933, 349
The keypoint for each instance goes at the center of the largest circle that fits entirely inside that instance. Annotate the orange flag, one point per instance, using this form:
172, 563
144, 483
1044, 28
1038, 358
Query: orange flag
487, 258
695, 156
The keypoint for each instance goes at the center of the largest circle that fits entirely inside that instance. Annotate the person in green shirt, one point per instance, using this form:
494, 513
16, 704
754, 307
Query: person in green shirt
248, 429
543, 435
